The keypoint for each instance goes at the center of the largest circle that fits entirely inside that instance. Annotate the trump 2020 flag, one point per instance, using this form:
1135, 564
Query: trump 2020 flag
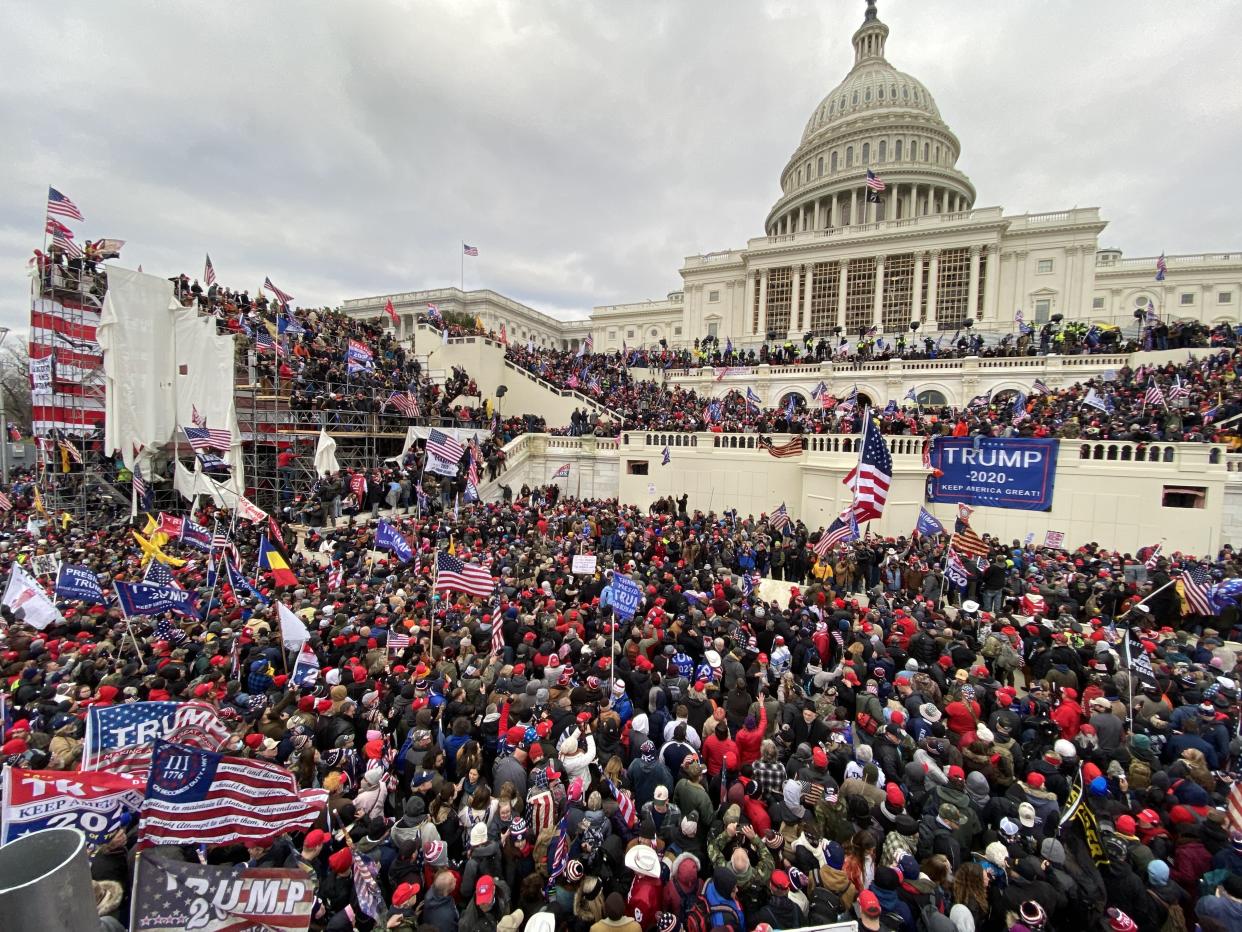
114, 731
93, 803
76, 583
306, 668
928, 524
197, 797
389, 538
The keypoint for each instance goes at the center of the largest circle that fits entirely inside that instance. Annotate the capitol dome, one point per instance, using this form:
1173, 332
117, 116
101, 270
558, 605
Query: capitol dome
878, 119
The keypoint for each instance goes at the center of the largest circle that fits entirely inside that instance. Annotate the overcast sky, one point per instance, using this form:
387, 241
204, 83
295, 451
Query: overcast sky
347, 149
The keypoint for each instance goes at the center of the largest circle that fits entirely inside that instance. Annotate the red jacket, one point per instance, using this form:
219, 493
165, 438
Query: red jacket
749, 741
1069, 718
714, 751
757, 812
960, 721
646, 895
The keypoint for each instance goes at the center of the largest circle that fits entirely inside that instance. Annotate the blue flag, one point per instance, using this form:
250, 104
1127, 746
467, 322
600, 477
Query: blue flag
389, 538
928, 524
78, 583
148, 599
306, 669
195, 535
241, 585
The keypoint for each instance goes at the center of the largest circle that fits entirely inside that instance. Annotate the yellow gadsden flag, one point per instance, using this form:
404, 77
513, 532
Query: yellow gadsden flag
151, 550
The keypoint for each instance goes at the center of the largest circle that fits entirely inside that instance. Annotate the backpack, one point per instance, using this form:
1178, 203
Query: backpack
823, 907
702, 917
1008, 658
991, 647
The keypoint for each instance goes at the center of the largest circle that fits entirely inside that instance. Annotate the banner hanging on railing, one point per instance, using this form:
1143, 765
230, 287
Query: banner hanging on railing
998, 472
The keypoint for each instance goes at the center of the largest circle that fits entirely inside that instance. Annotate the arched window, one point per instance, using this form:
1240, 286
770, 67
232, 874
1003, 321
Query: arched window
833, 163
926, 151
897, 151
905, 93
931, 398
937, 153
914, 150
883, 149
880, 92
799, 176
894, 94
866, 153
849, 156
856, 98
867, 95
819, 170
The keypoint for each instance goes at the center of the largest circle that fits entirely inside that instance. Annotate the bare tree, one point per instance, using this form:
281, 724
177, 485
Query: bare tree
15, 381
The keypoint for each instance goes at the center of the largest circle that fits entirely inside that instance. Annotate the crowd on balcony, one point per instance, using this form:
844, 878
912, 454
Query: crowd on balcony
857, 748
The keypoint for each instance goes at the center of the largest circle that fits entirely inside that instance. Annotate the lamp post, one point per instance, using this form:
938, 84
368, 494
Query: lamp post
4, 422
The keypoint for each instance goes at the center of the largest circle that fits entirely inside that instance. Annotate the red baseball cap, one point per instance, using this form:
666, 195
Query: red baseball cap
485, 890
316, 839
780, 880
869, 905
956, 773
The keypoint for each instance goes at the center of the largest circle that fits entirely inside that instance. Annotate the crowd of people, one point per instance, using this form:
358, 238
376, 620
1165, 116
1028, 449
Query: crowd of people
1198, 401
854, 747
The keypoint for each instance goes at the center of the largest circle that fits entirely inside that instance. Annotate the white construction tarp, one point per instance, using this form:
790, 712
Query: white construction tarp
136, 335
161, 363
325, 455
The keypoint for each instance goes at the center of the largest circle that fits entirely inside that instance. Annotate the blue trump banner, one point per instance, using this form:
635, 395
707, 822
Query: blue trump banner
389, 538
111, 730
93, 803
78, 583
994, 471
626, 595
148, 599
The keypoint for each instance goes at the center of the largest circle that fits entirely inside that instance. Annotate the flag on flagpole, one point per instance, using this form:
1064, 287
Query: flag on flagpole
305, 668
625, 804
391, 312
1153, 396
60, 205
842, 530
454, 573
1195, 586
397, 641
284, 298
871, 478
562, 472
270, 559
209, 272
780, 519
874, 182
928, 524
1162, 268
665, 457
472, 251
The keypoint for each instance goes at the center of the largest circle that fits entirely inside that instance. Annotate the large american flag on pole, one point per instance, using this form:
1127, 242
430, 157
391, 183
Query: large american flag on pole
199, 797
284, 298
209, 272
406, 403
871, 478
204, 439
442, 446
452, 573
1195, 585
58, 204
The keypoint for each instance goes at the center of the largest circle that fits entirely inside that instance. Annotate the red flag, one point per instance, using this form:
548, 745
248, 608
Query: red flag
274, 529
1234, 807
391, 312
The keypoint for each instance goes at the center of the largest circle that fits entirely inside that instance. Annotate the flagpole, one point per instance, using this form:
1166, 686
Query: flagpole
462, 281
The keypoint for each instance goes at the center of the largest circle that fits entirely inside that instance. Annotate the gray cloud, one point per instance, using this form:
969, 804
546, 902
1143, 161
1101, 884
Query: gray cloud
585, 148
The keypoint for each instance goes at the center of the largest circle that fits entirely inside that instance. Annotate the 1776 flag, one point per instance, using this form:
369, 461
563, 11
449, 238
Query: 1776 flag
200, 797
871, 478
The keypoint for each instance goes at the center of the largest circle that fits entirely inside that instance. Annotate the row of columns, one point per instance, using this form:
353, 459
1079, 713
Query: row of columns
800, 294
826, 212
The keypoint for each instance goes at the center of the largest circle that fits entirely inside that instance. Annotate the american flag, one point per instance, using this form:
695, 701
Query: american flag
558, 853
452, 573
1177, 389
498, 634
540, 812
469, 250
851, 400
873, 475
204, 439
209, 272
158, 574
1153, 395
6, 503
336, 576
1154, 557
67, 246
198, 797
874, 182
284, 298
1162, 268
843, 529
965, 540
197, 419
625, 804
780, 518
142, 494
442, 446
1039, 388
562, 472
791, 447
433, 313
60, 205
366, 884
1195, 585
472, 477
406, 403
589, 342
398, 641
263, 341
1233, 806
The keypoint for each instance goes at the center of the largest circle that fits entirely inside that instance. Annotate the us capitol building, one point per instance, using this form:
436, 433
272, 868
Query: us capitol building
831, 258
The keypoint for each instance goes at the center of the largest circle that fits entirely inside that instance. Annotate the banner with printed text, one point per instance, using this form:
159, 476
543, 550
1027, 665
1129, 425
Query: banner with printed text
998, 472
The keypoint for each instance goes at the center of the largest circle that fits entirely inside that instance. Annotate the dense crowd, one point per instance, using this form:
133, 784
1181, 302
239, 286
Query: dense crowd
1195, 398
855, 747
